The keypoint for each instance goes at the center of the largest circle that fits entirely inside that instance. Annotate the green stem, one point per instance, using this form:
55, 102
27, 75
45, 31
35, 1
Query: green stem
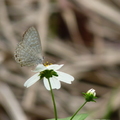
53, 99
78, 110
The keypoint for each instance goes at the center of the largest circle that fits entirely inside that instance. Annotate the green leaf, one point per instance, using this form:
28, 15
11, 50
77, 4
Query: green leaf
77, 117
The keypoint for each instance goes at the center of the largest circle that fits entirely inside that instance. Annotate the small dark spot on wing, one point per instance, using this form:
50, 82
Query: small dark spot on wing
16, 56
19, 60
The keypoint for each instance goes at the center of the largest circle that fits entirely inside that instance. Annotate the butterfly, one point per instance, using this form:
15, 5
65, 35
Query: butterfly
29, 51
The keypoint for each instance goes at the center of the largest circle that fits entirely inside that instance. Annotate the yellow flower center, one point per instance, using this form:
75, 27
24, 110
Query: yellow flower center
47, 64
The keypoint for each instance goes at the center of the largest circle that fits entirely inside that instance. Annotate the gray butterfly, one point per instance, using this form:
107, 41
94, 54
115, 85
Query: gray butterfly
28, 51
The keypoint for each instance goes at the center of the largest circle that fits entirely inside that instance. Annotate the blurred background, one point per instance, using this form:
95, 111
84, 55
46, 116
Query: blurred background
82, 34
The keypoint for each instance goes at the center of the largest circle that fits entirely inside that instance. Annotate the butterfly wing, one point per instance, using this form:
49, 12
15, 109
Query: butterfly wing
28, 51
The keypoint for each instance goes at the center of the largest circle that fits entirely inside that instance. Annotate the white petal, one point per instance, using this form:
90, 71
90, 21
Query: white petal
32, 80
92, 91
39, 68
54, 67
55, 83
64, 77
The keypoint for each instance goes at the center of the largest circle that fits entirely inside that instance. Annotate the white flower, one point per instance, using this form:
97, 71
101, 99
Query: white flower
54, 80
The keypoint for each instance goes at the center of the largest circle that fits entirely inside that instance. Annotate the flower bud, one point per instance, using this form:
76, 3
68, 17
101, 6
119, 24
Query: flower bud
90, 95
92, 92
